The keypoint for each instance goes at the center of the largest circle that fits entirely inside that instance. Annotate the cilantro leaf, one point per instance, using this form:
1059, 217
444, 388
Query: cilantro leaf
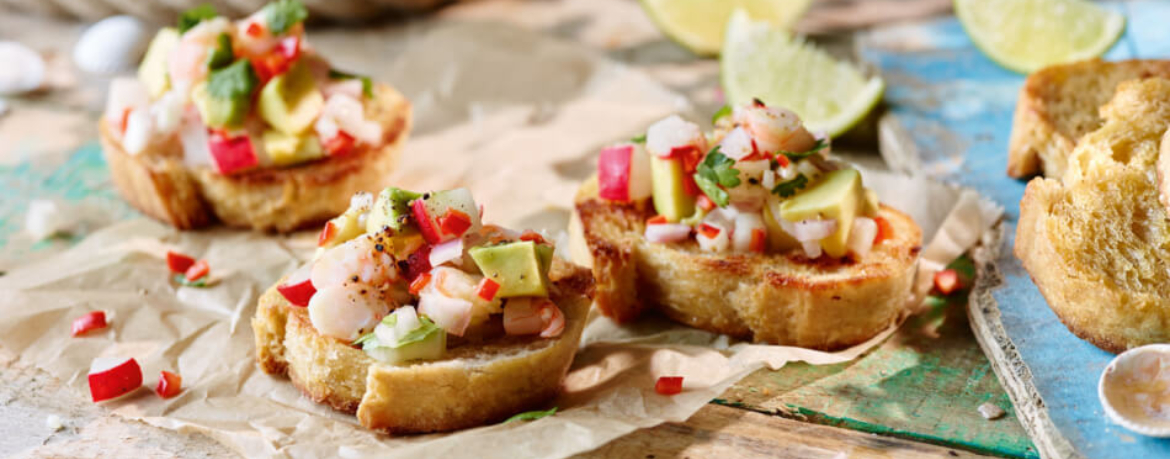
426, 328
965, 267
719, 114
532, 415
715, 171
639, 139
281, 15
221, 55
790, 187
236, 81
367, 83
181, 279
795, 156
194, 16
366, 338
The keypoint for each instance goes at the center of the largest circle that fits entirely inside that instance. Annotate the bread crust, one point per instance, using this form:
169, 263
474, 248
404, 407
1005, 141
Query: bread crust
775, 298
159, 184
1057, 105
475, 384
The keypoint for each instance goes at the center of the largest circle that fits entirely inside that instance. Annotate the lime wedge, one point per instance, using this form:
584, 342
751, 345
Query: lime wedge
762, 61
698, 24
1026, 35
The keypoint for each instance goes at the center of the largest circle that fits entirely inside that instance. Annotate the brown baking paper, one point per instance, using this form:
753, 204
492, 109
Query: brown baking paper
512, 115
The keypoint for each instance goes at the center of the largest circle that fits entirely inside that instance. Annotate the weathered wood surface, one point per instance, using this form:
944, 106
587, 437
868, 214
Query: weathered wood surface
916, 386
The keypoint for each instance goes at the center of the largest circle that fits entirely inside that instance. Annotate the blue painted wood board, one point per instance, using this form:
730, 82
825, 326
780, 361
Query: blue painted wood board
954, 100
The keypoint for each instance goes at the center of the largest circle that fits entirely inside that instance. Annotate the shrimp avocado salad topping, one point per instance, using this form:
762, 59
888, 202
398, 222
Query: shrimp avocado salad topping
760, 182
240, 95
405, 275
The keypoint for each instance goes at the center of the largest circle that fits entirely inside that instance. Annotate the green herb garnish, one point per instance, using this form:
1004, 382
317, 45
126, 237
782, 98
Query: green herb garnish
717, 170
418, 334
795, 156
221, 56
722, 112
194, 16
790, 187
281, 15
639, 139
367, 83
235, 81
965, 267
181, 279
532, 415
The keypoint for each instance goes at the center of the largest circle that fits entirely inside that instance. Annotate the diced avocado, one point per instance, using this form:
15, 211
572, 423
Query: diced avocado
285, 149
427, 342
346, 227
872, 204
670, 196
291, 102
838, 195
521, 268
218, 113
391, 209
778, 239
153, 70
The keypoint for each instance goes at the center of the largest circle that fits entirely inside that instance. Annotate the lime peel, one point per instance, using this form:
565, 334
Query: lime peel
1027, 35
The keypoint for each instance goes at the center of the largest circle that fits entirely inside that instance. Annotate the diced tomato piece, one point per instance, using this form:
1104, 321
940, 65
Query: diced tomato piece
111, 378
420, 283
487, 289
668, 385
418, 263
298, 288
705, 203
178, 263
254, 29
783, 160
169, 384
946, 281
657, 220
91, 321
231, 154
455, 222
533, 236
708, 231
426, 225
759, 237
340, 145
125, 122
884, 230
197, 271
327, 234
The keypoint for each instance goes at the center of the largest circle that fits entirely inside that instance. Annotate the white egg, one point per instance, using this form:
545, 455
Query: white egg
23, 69
111, 45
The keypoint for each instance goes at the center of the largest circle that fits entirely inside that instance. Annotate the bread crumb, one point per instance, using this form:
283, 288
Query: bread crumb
54, 423
990, 411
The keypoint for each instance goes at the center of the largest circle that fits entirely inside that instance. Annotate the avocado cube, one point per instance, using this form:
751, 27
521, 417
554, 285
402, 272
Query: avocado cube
671, 199
285, 149
153, 70
391, 209
778, 239
521, 268
290, 103
838, 195
219, 113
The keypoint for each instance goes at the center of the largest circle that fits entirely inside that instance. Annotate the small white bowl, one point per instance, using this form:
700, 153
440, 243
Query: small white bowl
111, 45
1135, 390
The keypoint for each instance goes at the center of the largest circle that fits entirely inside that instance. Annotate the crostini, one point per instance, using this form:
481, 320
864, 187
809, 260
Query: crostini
418, 317
245, 123
751, 231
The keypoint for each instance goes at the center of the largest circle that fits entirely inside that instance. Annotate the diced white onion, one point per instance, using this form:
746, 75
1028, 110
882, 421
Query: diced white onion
812, 249
737, 144
46, 218
361, 201
768, 180
139, 127
387, 336
745, 225
446, 252
813, 230
664, 233
861, 235
641, 185
450, 314
722, 219
407, 320
193, 135
167, 112
125, 93
672, 132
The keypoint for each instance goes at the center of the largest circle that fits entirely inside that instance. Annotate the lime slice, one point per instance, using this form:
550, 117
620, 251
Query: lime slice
698, 24
764, 62
1026, 35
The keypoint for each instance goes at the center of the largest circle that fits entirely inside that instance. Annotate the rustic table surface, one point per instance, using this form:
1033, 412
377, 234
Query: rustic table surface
914, 396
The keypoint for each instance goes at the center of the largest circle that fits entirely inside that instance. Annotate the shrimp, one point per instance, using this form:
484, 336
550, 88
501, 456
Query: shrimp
347, 312
356, 261
188, 62
774, 129
453, 283
530, 316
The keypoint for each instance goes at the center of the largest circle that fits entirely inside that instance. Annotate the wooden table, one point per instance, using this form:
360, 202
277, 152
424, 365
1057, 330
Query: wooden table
914, 396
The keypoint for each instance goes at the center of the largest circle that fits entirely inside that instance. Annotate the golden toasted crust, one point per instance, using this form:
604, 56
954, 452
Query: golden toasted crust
1096, 242
471, 386
779, 299
269, 199
1059, 104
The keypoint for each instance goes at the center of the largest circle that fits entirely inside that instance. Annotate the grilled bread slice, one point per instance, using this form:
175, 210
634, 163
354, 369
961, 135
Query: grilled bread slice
1059, 104
474, 384
1096, 243
775, 298
159, 184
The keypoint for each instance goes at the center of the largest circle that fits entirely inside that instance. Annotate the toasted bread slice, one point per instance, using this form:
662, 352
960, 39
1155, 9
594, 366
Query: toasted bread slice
779, 299
1096, 243
160, 185
474, 384
1059, 104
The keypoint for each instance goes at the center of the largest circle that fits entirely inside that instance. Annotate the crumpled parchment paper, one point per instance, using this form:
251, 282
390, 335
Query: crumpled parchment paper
490, 120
